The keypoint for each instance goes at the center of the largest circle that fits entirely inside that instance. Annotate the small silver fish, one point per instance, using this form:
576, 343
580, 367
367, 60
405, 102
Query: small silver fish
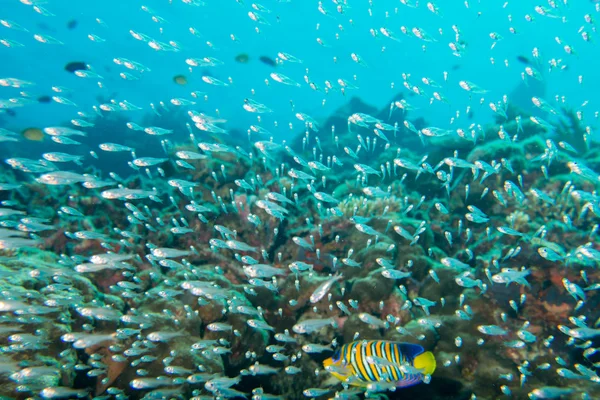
324, 288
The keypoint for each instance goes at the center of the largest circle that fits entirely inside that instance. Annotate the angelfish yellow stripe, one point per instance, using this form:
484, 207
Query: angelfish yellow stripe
385, 369
347, 357
398, 357
367, 346
362, 362
346, 353
370, 349
393, 370
357, 362
378, 348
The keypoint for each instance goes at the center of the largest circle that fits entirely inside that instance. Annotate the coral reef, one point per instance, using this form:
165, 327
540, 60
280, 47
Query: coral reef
109, 326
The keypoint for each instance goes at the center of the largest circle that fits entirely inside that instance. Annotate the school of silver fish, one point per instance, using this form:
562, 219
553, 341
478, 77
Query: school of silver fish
231, 267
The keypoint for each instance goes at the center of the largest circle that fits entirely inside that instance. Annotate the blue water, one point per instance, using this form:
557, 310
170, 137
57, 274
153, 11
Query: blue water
292, 29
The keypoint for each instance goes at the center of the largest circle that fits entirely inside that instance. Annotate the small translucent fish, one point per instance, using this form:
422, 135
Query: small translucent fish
309, 326
163, 336
302, 243
88, 73
375, 192
582, 333
310, 122
241, 246
288, 57
7, 212
9, 186
128, 194
574, 290
471, 87
114, 147
8, 136
11, 43
259, 324
315, 348
62, 157
542, 196
149, 161
149, 383
283, 79
261, 369
325, 197
491, 330
12, 25
15, 83
157, 131
395, 274
550, 392
214, 81
190, 155
278, 197
219, 327
365, 169
509, 231
203, 62
549, 254
441, 208
63, 131
262, 271
71, 211
568, 374
215, 147
350, 262
455, 264
374, 321
583, 171
315, 392
515, 344
291, 370
324, 288
81, 123
164, 252
508, 276
100, 313
300, 266
46, 39
61, 178
317, 166
468, 282
62, 392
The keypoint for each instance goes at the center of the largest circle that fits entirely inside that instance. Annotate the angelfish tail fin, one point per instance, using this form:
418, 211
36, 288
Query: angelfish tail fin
425, 362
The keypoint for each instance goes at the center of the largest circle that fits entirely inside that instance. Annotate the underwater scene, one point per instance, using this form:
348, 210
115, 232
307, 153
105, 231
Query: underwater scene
299, 199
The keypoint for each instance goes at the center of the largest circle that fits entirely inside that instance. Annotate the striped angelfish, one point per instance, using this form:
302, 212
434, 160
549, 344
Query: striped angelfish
365, 361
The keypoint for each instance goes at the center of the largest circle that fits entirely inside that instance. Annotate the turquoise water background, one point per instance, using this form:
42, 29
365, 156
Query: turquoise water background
292, 29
